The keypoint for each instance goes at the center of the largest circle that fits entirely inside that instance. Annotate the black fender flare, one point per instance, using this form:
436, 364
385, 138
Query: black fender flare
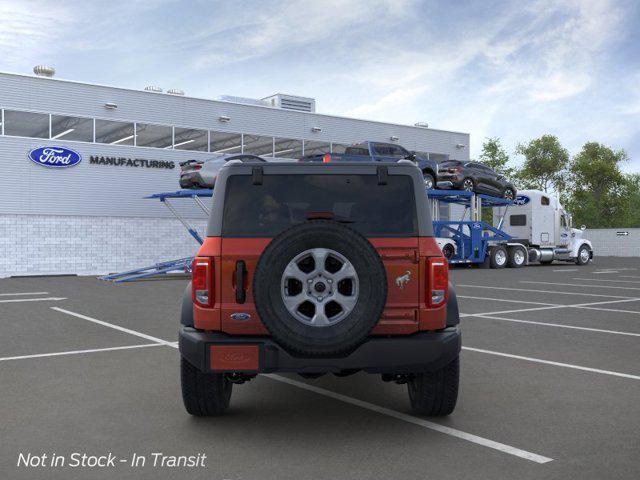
186, 314
453, 314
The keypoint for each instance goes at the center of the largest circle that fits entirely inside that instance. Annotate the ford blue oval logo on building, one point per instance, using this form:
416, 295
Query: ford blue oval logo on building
55, 157
521, 200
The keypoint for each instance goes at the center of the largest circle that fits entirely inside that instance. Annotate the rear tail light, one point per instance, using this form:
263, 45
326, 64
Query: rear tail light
326, 158
197, 166
437, 281
202, 281
455, 170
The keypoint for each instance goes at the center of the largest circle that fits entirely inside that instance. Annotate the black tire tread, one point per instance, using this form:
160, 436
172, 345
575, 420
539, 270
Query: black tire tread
359, 330
435, 393
204, 394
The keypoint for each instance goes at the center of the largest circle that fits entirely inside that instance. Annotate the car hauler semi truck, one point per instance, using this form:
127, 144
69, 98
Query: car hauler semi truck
538, 221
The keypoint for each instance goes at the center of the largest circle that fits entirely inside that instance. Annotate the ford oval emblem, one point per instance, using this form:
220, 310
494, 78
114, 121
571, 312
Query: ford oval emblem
521, 200
55, 157
240, 316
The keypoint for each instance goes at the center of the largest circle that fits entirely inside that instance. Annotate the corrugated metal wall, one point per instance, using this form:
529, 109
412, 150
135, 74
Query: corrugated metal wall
99, 190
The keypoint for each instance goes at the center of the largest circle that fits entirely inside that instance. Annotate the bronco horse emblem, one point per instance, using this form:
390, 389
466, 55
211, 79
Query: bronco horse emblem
402, 280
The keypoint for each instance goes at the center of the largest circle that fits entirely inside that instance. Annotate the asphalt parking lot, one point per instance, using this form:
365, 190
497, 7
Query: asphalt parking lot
550, 387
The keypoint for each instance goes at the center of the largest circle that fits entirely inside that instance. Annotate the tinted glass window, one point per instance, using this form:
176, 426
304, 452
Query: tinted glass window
222, 142
357, 151
390, 150
190, 139
72, 128
26, 124
115, 133
284, 200
257, 145
316, 148
287, 148
158, 136
544, 201
518, 220
338, 148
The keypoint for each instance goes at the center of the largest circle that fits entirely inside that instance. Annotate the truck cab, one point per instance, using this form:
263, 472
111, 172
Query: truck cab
539, 221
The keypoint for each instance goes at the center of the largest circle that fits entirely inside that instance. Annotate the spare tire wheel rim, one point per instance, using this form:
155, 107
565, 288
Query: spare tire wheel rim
319, 287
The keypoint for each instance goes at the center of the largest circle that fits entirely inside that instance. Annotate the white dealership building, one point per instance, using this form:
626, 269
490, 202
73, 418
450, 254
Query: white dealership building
120, 145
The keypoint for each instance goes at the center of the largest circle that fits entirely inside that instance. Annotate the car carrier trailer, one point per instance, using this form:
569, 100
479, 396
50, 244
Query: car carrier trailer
533, 228
470, 240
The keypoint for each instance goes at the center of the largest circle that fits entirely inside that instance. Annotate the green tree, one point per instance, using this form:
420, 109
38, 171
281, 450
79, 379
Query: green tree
495, 157
545, 164
633, 194
599, 193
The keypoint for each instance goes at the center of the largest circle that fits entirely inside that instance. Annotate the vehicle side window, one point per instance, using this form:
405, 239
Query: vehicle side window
518, 220
390, 150
545, 201
563, 221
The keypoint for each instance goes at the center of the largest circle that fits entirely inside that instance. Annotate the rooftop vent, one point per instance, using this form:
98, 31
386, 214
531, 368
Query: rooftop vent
291, 102
44, 71
153, 88
422, 124
175, 91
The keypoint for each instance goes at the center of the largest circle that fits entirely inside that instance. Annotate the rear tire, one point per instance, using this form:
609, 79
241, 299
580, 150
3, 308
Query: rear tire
498, 257
468, 185
517, 257
204, 394
448, 251
429, 181
435, 393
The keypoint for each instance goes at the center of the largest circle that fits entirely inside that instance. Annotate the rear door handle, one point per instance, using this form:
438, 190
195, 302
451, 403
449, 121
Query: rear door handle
241, 272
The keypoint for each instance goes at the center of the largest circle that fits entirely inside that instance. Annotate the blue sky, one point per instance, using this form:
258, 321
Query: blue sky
515, 70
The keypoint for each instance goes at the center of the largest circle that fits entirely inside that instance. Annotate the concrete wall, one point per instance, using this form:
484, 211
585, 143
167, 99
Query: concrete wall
613, 241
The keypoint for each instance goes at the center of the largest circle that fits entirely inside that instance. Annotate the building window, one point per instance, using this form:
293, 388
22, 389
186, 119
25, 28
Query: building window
316, 148
257, 145
287, 148
221, 142
114, 133
71, 128
190, 139
544, 201
157, 136
26, 124
339, 147
437, 157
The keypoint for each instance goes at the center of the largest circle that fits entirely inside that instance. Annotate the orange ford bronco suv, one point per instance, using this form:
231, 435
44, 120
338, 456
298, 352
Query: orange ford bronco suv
318, 269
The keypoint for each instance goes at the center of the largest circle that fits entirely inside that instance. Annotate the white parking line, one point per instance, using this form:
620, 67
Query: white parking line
77, 352
567, 270
414, 420
552, 307
46, 299
605, 280
23, 293
544, 291
115, 327
559, 325
580, 285
629, 276
606, 272
555, 364
506, 300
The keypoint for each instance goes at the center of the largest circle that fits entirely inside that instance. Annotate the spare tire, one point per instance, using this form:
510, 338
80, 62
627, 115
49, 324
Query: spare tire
319, 288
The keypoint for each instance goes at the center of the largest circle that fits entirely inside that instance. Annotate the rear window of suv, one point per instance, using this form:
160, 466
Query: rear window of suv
284, 200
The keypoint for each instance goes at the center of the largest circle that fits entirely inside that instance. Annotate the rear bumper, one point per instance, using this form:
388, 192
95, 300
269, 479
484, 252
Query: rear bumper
421, 352
190, 180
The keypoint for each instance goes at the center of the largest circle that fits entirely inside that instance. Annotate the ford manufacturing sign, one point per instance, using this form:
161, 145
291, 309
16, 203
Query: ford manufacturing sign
521, 200
55, 157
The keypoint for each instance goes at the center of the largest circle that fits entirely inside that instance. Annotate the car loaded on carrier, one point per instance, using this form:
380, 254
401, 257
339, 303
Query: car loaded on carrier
311, 269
